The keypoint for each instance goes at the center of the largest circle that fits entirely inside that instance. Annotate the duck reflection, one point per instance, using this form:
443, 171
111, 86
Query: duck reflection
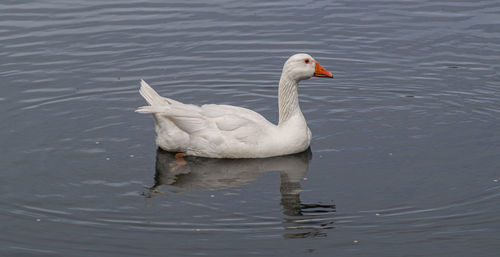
197, 173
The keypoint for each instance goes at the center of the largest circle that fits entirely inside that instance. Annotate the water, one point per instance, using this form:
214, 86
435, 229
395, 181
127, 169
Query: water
405, 152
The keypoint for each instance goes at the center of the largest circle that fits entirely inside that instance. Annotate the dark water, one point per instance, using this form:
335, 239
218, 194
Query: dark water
404, 161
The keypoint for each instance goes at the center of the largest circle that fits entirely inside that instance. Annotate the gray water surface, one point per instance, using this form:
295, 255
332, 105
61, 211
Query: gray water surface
404, 160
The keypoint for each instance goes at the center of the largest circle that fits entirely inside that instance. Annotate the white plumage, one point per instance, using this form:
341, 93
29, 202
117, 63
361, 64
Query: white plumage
224, 131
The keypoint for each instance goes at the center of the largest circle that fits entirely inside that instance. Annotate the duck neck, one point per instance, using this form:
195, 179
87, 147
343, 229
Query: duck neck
288, 99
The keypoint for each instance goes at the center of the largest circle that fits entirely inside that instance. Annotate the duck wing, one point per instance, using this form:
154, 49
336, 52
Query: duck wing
210, 118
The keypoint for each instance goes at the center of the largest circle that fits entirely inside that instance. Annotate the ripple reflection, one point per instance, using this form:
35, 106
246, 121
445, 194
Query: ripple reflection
196, 173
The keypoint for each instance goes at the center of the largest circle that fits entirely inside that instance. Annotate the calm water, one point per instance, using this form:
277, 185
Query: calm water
404, 161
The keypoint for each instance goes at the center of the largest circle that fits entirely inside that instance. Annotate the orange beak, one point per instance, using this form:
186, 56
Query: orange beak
321, 72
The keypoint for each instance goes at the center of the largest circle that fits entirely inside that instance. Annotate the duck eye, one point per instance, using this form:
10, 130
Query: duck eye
307, 61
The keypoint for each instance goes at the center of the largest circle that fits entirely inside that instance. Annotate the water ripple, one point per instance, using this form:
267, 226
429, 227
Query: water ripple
414, 99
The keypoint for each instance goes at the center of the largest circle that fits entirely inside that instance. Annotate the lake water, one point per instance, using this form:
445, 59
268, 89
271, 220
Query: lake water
404, 160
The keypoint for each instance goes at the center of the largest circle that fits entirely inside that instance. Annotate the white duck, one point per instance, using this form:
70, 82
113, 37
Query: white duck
225, 131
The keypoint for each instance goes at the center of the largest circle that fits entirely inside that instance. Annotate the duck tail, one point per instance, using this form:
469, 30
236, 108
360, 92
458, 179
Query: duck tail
153, 109
150, 94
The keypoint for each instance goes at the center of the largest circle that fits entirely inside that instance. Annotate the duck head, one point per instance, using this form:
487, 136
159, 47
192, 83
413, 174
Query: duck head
303, 66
